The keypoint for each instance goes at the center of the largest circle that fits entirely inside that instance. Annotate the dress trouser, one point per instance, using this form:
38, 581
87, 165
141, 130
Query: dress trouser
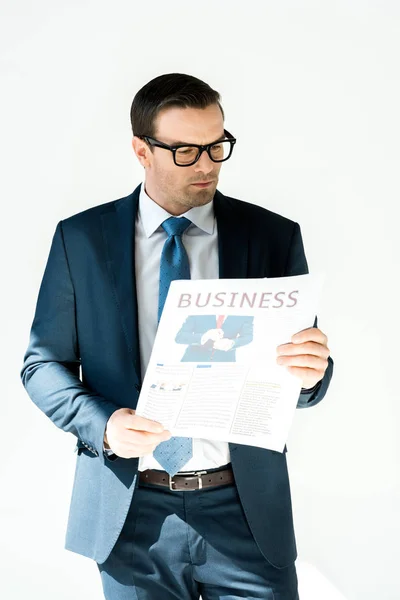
186, 545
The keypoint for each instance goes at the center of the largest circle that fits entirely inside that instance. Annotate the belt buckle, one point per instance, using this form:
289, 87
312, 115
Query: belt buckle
170, 483
198, 473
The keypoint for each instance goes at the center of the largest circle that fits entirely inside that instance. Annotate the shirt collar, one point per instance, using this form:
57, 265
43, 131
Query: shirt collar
152, 214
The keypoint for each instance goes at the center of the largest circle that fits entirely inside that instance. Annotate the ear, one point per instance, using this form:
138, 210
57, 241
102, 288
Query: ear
142, 151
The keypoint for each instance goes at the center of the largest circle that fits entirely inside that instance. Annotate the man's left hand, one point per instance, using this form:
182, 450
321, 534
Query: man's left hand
225, 344
306, 357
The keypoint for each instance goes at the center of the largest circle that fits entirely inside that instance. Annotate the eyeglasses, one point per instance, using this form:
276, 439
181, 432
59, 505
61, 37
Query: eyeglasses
186, 155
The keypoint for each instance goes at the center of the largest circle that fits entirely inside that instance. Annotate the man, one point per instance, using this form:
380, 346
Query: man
214, 338
225, 528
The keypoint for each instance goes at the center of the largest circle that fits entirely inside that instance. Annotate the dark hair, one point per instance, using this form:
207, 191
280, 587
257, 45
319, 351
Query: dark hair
171, 89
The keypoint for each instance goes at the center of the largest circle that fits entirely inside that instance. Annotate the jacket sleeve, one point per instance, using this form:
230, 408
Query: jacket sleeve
187, 334
50, 371
246, 334
297, 265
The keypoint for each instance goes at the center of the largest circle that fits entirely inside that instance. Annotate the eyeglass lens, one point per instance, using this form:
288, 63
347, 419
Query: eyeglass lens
188, 154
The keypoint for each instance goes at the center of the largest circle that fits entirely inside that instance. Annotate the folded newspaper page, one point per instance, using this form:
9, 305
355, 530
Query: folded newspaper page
212, 371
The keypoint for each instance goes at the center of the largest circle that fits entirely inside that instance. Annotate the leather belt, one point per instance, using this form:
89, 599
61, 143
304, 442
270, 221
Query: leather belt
193, 480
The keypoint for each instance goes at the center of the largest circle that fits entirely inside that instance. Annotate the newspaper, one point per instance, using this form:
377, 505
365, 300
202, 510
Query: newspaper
212, 371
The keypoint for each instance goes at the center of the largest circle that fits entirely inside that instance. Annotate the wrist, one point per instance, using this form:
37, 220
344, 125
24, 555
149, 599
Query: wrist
204, 338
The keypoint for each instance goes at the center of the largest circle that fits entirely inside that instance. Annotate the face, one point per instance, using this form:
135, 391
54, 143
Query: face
166, 183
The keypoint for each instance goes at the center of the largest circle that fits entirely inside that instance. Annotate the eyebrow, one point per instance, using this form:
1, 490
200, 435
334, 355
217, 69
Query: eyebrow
176, 142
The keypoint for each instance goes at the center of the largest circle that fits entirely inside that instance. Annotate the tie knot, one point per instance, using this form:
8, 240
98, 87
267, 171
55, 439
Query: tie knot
175, 225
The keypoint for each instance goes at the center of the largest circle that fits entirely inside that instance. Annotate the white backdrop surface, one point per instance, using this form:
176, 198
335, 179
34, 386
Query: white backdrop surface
311, 90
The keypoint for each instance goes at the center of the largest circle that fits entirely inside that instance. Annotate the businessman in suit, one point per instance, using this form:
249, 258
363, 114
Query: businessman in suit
214, 339
165, 517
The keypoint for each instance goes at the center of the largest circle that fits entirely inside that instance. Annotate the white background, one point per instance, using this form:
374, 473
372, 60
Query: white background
311, 91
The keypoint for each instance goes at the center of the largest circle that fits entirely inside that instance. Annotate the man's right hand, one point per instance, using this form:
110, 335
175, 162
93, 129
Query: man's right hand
131, 436
212, 334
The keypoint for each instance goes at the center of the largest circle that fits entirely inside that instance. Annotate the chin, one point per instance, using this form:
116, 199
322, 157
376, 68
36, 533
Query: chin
201, 199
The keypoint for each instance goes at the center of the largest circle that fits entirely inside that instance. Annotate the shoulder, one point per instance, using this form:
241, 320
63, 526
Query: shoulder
255, 215
89, 221
85, 230
92, 214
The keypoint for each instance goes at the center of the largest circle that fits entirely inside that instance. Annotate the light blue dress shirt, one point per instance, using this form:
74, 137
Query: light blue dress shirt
201, 244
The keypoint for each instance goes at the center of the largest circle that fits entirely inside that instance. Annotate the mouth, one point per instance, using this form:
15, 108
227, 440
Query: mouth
205, 184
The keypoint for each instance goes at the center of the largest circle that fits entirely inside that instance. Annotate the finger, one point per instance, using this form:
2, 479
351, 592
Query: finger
303, 360
137, 422
141, 438
312, 334
149, 448
309, 377
134, 451
305, 348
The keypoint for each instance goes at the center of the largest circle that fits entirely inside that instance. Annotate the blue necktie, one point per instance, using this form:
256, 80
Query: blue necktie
175, 452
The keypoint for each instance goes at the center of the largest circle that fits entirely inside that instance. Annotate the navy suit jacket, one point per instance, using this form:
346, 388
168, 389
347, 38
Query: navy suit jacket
237, 328
86, 318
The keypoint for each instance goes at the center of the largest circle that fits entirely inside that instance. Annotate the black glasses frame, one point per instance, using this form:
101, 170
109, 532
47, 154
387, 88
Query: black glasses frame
201, 148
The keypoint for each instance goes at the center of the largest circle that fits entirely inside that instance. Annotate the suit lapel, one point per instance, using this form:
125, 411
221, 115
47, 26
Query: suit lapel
119, 237
233, 239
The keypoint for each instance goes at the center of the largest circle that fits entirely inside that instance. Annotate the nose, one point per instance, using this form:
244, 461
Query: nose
204, 164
